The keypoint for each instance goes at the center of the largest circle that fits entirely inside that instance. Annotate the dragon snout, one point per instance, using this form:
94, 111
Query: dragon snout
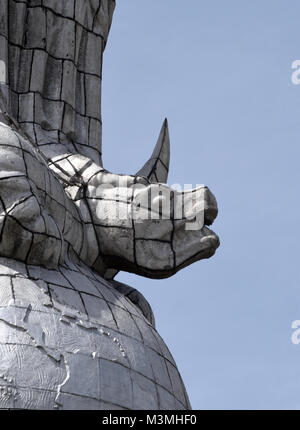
201, 202
210, 207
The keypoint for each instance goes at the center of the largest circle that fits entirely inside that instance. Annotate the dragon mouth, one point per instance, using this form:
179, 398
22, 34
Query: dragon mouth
210, 217
205, 237
210, 237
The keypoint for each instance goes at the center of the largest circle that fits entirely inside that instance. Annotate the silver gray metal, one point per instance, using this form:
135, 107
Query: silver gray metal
70, 336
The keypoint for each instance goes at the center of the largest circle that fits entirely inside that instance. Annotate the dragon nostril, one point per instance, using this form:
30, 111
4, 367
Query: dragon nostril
210, 207
210, 215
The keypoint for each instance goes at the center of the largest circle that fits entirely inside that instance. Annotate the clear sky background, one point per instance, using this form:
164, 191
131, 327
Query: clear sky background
221, 72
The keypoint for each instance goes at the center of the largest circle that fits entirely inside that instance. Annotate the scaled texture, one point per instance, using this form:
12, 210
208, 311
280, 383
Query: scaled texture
71, 337
70, 340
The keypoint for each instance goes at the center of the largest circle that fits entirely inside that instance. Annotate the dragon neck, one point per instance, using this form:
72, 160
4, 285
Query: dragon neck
51, 69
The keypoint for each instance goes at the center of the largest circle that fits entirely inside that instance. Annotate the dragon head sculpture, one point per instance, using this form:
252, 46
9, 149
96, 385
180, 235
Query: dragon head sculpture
146, 227
139, 223
51, 72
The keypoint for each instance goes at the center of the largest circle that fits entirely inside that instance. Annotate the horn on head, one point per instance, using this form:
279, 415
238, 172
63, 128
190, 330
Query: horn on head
157, 167
156, 170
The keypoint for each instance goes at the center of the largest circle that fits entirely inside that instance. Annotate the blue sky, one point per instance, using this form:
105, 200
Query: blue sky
221, 72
